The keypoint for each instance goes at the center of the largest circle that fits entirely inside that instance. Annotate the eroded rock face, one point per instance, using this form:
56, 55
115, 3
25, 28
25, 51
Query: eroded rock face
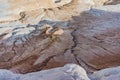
24, 43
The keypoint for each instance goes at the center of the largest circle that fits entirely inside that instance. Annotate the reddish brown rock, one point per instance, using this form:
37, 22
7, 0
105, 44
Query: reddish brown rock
97, 39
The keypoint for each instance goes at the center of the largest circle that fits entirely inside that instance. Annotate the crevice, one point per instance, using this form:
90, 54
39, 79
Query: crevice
80, 61
13, 48
88, 68
75, 44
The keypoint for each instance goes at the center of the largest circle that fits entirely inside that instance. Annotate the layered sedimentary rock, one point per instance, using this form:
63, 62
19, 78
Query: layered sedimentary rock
51, 33
25, 42
97, 37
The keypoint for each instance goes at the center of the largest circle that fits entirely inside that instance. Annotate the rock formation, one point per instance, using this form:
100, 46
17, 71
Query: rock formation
42, 34
68, 72
107, 74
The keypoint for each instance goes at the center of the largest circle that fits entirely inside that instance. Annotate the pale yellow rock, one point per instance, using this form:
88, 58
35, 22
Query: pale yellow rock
10, 9
58, 32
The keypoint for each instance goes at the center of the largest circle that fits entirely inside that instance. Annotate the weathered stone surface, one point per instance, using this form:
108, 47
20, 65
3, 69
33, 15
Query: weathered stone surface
107, 74
12, 9
87, 34
97, 37
68, 72
24, 42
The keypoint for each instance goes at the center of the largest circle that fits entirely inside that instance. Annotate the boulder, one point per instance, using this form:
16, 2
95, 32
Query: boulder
80, 33
107, 74
68, 72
